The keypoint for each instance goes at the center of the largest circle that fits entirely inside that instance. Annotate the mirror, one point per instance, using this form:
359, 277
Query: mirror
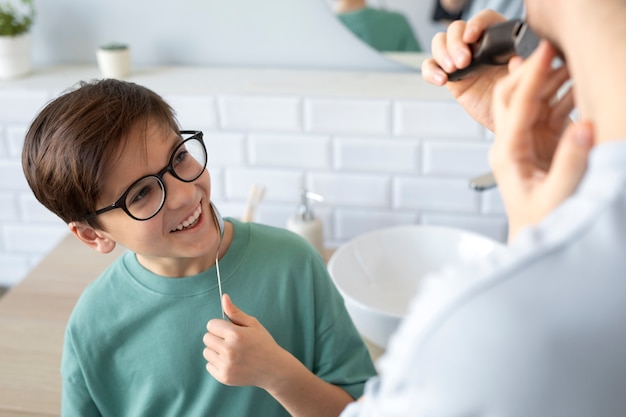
400, 30
389, 25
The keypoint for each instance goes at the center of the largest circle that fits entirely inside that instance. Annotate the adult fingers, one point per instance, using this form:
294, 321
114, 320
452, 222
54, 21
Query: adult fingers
503, 126
512, 119
524, 99
459, 50
502, 94
570, 161
555, 81
514, 63
433, 72
533, 74
561, 110
440, 54
477, 25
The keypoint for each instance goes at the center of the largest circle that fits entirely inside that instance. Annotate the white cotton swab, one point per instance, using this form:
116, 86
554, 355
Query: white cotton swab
219, 222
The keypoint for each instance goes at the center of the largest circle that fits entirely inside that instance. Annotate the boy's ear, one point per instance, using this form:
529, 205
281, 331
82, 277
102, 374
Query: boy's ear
91, 237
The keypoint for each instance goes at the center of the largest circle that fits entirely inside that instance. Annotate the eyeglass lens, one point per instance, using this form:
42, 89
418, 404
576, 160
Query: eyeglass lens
147, 196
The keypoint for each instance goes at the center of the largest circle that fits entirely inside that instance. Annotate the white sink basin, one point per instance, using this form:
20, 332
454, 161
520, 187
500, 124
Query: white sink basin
378, 273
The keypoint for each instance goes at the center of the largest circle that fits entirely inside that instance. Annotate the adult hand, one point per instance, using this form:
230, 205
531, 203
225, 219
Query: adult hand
451, 51
241, 351
537, 159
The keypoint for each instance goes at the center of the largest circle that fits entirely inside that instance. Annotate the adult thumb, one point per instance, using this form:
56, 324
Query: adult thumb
234, 313
570, 160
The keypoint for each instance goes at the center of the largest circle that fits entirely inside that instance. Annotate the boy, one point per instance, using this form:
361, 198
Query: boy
111, 161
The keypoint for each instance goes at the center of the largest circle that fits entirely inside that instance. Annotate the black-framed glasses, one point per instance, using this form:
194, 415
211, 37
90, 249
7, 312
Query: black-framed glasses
146, 196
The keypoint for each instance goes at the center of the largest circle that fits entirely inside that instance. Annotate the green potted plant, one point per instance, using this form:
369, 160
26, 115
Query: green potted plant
114, 60
15, 25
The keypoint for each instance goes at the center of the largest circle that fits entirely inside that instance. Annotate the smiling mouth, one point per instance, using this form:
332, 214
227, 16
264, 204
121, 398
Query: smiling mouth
190, 221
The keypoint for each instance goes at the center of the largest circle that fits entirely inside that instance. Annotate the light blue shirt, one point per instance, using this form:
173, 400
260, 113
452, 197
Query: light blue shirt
539, 330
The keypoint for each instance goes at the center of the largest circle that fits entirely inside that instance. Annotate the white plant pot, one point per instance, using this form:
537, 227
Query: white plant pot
114, 63
15, 58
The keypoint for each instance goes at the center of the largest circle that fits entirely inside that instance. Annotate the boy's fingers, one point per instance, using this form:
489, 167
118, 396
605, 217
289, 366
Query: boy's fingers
234, 313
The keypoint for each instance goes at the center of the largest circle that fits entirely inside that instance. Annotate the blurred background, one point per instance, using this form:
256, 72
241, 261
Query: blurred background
287, 97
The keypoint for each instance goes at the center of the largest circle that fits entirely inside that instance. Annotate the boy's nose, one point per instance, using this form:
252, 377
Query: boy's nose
178, 193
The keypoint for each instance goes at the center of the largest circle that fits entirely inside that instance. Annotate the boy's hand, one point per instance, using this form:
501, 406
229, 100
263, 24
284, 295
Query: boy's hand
536, 161
451, 51
241, 352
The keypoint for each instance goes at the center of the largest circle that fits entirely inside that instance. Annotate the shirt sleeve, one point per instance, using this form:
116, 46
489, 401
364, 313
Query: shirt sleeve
76, 400
341, 355
409, 41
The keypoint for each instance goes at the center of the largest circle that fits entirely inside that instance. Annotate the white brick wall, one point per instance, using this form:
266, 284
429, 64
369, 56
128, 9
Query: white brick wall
371, 117
377, 161
363, 154
289, 151
26, 233
430, 118
262, 113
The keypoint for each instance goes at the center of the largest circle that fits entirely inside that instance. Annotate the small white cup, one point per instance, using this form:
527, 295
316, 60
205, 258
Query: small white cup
114, 63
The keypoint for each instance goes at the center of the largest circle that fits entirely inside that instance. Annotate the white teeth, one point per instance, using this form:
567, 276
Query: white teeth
191, 220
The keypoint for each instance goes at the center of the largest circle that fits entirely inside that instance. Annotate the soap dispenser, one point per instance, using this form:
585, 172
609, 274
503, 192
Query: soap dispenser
305, 224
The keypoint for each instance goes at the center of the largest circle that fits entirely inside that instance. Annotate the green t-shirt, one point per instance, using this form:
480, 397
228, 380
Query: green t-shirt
133, 344
383, 30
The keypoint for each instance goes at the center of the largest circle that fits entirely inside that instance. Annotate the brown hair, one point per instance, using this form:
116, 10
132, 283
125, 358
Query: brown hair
73, 139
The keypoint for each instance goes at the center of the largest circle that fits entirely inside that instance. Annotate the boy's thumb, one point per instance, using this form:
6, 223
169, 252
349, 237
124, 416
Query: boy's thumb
234, 313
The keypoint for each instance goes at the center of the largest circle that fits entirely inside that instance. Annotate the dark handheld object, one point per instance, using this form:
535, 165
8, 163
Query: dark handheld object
497, 45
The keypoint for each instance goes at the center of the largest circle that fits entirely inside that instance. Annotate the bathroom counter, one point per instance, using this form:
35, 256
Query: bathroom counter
225, 80
33, 315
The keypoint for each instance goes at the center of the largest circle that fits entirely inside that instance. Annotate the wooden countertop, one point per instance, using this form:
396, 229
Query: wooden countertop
33, 315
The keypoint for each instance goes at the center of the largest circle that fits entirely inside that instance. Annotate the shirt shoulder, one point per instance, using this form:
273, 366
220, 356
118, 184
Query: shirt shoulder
531, 317
98, 294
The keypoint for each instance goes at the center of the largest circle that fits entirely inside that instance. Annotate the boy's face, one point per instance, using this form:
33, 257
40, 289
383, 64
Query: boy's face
162, 244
